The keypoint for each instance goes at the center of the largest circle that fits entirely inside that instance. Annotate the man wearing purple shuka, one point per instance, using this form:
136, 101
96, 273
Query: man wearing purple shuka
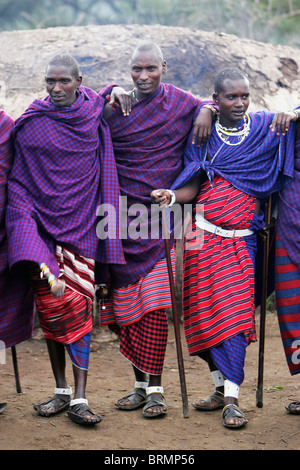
64, 169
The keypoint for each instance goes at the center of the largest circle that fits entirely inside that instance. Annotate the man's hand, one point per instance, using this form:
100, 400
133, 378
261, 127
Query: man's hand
281, 121
202, 126
161, 197
123, 97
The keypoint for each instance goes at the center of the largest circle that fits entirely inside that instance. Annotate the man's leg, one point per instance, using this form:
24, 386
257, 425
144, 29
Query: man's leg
62, 396
216, 400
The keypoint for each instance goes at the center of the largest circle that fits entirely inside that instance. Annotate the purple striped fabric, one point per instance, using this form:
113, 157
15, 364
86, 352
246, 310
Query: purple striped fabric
62, 172
79, 351
16, 300
262, 164
148, 146
288, 224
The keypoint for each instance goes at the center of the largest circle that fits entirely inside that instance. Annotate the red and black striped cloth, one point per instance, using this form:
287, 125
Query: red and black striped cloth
218, 273
68, 319
287, 288
137, 312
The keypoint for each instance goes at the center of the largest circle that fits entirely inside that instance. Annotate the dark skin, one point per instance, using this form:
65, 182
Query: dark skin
147, 70
62, 87
233, 101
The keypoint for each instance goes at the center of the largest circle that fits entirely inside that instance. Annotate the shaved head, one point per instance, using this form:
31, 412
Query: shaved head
146, 46
65, 60
230, 73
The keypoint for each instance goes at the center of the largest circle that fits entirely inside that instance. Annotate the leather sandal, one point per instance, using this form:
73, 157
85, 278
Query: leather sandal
217, 397
294, 408
62, 397
136, 399
232, 411
77, 408
155, 399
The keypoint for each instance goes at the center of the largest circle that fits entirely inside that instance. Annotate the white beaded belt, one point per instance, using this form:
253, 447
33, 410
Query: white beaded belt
201, 222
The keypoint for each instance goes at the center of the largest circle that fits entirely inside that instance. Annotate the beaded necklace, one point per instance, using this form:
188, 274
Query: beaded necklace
237, 134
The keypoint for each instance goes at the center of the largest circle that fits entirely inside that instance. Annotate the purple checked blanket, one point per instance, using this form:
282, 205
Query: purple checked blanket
16, 300
288, 224
148, 146
64, 169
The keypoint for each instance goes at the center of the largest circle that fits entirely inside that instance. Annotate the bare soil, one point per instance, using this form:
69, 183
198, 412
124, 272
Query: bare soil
110, 377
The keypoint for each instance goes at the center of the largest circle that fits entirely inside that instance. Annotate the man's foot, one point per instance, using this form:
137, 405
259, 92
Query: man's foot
293, 408
211, 403
134, 400
156, 405
58, 403
80, 412
233, 417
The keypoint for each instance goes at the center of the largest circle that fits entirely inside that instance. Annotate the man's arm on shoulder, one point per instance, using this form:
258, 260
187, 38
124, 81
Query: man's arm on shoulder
203, 122
282, 119
118, 97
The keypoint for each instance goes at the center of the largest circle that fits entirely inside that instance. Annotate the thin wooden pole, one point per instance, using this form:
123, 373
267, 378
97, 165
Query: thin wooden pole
263, 305
175, 320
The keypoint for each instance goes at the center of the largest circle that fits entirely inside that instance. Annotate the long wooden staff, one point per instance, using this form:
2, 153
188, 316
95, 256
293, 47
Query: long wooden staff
175, 319
263, 305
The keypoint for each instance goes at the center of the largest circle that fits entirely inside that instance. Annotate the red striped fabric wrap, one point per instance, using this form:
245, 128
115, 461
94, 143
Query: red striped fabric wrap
129, 304
218, 274
68, 318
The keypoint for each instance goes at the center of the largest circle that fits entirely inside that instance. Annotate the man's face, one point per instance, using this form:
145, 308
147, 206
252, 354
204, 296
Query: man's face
61, 85
233, 101
146, 72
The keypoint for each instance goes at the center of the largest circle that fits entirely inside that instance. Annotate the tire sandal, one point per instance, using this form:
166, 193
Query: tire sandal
60, 395
232, 411
136, 398
77, 408
293, 408
155, 397
217, 397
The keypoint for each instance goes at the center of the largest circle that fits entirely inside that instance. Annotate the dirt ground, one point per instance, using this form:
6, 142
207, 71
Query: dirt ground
110, 377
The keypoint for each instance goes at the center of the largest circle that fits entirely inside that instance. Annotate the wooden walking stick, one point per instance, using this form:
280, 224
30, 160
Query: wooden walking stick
263, 305
175, 319
16, 369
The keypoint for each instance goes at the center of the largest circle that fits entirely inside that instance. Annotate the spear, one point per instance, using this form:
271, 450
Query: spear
175, 319
263, 305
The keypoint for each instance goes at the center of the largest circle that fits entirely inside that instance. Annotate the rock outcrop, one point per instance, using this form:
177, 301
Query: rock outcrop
103, 52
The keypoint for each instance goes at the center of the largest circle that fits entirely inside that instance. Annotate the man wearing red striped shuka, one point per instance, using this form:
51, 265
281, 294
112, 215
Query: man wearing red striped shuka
287, 270
64, 168
16, 300
148, 146
226, 178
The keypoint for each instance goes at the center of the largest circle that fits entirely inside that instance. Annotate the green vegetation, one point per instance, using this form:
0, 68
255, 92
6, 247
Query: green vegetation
273, 21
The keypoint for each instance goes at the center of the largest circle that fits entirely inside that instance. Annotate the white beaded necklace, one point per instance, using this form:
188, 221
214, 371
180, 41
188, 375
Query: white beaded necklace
241, 133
